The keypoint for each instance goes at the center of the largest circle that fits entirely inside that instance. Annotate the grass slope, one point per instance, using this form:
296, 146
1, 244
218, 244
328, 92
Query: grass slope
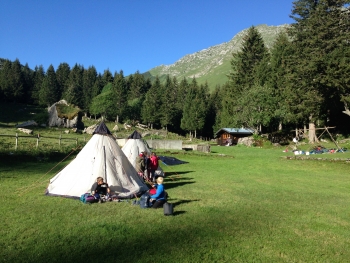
213, 64
236, 204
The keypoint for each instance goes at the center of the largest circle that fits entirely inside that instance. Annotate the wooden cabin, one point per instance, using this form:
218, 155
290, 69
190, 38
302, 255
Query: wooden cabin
230, 136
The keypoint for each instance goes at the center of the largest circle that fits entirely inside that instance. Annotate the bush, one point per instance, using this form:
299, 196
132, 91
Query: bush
41, 117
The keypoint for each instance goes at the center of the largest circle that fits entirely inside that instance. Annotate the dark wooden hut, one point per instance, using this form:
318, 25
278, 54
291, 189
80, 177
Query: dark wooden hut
230, 136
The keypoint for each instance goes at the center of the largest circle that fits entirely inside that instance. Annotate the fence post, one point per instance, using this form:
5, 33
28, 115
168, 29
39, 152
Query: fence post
16, 141
59, 140
76, 142
37, 141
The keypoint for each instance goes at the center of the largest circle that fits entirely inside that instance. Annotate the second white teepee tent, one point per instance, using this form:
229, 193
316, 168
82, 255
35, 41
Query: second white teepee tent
136, 145
103, 157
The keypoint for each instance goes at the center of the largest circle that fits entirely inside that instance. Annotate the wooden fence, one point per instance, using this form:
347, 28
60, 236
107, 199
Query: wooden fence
38, 138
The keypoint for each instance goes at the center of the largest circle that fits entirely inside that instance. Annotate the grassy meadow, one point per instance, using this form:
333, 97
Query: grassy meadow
236, 204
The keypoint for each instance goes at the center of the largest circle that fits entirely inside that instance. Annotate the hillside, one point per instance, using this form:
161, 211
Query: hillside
212, 64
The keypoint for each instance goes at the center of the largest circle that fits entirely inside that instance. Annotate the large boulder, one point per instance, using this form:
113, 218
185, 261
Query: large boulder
59, 116
90, 129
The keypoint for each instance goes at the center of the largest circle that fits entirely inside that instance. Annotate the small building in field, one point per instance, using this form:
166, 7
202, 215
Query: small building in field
230, 136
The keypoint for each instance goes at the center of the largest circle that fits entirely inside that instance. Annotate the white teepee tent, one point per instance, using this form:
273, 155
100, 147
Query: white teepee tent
134, 146
103, 157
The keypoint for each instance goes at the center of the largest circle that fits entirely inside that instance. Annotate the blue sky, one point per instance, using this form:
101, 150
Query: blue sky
128, 35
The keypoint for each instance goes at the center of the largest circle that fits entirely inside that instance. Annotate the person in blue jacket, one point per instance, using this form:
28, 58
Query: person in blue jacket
159, 198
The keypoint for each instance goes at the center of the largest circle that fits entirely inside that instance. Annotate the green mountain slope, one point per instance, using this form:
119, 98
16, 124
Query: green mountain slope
212, 64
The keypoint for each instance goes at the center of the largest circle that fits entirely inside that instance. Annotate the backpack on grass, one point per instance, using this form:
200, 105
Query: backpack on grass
145, 200
87, 198
168, 209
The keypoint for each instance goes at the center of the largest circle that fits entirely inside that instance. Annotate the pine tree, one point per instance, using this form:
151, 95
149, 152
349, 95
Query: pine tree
150, 111
28, 83
321, 28
6, 85
62, 76
107, 77
17, 82
283, 94
38, 78
246, 61
49, 88
248, 71
168, 103
89, 79
74, 93
119, 95
195, 108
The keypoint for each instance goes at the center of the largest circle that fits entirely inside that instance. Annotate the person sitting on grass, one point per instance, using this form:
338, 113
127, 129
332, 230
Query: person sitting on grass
100, 189
159, 198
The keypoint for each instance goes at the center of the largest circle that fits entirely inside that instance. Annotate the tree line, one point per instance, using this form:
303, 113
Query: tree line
301, 81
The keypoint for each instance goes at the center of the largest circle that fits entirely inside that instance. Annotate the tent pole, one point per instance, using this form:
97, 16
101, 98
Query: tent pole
104, 156
334, 141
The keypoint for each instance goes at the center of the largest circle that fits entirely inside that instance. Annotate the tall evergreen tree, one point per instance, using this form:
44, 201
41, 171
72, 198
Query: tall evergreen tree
212, 122
28, 83
194, 111
62, 76
281, 54
74, 93
120, 95
320, 30
97, 87
89, 79
5, 80
150, 111
107, 77
167, 106
246, 61
38, 78
49, 93
17, 82
247, 72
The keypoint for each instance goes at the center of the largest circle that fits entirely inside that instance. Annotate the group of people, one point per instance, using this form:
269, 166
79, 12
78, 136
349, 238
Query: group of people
146, 166
101, 192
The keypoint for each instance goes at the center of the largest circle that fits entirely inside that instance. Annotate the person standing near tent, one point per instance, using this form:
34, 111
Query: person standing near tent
154, 165
99, 189
140, 165
147, 165
158, 199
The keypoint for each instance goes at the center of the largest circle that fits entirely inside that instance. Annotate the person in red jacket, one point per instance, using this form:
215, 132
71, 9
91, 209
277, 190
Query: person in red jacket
154, 165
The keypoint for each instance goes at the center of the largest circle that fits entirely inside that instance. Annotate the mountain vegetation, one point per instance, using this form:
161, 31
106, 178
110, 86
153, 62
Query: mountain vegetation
267, 78
212, 65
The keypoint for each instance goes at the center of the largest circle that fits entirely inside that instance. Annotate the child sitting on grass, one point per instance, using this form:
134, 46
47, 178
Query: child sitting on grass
100, 189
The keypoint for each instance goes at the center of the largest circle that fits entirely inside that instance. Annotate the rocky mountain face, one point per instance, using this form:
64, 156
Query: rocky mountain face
213, 64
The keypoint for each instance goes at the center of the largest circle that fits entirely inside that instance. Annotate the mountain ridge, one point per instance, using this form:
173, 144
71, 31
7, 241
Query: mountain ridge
212, 64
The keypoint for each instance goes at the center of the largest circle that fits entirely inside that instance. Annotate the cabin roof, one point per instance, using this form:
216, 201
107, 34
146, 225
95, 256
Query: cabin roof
234, 131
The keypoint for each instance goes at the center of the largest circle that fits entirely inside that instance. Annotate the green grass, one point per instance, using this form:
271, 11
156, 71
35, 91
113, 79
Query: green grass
236, 204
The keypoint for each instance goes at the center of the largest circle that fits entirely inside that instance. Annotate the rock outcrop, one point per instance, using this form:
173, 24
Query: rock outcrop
57, 120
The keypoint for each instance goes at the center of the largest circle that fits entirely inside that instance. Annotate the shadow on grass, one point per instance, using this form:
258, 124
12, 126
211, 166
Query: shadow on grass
178, 213
175, 204
177, 173
170, 185
3, 125
187, 239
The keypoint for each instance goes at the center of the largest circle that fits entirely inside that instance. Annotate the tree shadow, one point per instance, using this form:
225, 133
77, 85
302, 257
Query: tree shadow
171, 185
177, 213
175, 204
177, 178
177, 173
